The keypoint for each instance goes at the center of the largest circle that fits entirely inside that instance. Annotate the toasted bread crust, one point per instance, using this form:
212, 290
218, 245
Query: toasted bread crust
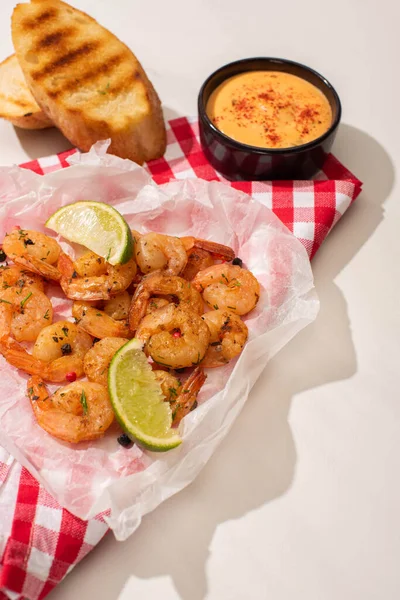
86, 81
17, 104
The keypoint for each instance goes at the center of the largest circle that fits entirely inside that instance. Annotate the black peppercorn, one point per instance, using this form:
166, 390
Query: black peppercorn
125, 441
237, 261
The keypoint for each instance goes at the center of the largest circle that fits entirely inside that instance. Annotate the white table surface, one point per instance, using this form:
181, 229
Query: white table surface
301, 502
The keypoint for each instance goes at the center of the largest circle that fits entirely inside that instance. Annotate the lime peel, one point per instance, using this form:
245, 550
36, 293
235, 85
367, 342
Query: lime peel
137, 400
96, 225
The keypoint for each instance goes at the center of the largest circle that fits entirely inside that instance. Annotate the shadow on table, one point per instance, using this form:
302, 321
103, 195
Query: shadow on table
42, 142
45, 142
256, 463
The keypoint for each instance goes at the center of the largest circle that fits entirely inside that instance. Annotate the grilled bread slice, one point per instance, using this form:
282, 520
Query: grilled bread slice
87, 81
16, 101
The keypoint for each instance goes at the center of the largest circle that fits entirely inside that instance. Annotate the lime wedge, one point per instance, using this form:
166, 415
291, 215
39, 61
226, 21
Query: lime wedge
97, 226
138, 401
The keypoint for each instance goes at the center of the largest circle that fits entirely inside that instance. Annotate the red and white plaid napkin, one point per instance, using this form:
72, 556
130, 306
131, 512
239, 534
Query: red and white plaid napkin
40, 542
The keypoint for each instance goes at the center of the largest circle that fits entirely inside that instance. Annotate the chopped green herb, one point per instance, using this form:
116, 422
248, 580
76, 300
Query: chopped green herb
65, 330
98, 315
84, 403
5, 301
106, 89
46, 315
225, 277
30, 391
25, 300
232, 307
236, 283
173, 391
108, 254
215, 306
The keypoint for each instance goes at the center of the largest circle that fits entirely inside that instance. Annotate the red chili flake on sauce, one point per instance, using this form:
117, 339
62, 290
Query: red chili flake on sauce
71, 376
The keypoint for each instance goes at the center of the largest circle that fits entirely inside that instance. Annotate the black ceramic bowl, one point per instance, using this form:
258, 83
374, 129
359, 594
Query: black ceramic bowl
241, 161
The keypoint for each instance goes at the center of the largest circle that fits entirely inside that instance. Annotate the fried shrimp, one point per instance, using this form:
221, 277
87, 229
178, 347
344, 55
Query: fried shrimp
174, 337
98, 358
34, 251
98, 323
228, 287
115, 280
159, 284
19, 277
78, 412
24, 313
228, 337
155, 251
182, 397
58, 351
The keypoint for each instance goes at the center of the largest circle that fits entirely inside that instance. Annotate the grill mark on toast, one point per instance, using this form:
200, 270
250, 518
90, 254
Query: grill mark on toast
67, 59
39, 19
53, 39
90, 76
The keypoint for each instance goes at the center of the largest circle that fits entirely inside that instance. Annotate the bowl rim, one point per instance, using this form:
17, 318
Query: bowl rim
259, 149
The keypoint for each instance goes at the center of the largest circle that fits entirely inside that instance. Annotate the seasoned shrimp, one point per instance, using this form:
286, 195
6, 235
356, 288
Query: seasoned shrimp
58, 352
24, 313
118, 306
78, 412
174, 337
228, 336
115, 280
164, 285
187, 397
181, 397
90, 264
98, 358
33, 250
155, 251
16, 276
228, 287
98, 323
155, 303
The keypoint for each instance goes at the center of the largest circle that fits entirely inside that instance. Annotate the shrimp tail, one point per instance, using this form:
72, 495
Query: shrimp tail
97, 323
38, 394
187, 398
39, 267
65, 265
17, 356
138, 306
55, 372
217, 250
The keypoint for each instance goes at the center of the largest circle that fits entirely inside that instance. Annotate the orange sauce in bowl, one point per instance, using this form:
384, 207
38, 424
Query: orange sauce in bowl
269, 109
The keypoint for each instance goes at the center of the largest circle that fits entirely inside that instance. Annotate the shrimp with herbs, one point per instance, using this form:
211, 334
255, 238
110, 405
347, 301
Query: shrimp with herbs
24, 312
34, 251
228, 287
159, 284
98, 358
228, 337
19, 277
78, 412
112, 280
57, 353
182, 397
174, 337
156, 251
98, 323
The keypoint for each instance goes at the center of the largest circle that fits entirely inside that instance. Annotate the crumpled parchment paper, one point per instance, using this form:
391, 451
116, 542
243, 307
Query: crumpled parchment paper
102, 476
